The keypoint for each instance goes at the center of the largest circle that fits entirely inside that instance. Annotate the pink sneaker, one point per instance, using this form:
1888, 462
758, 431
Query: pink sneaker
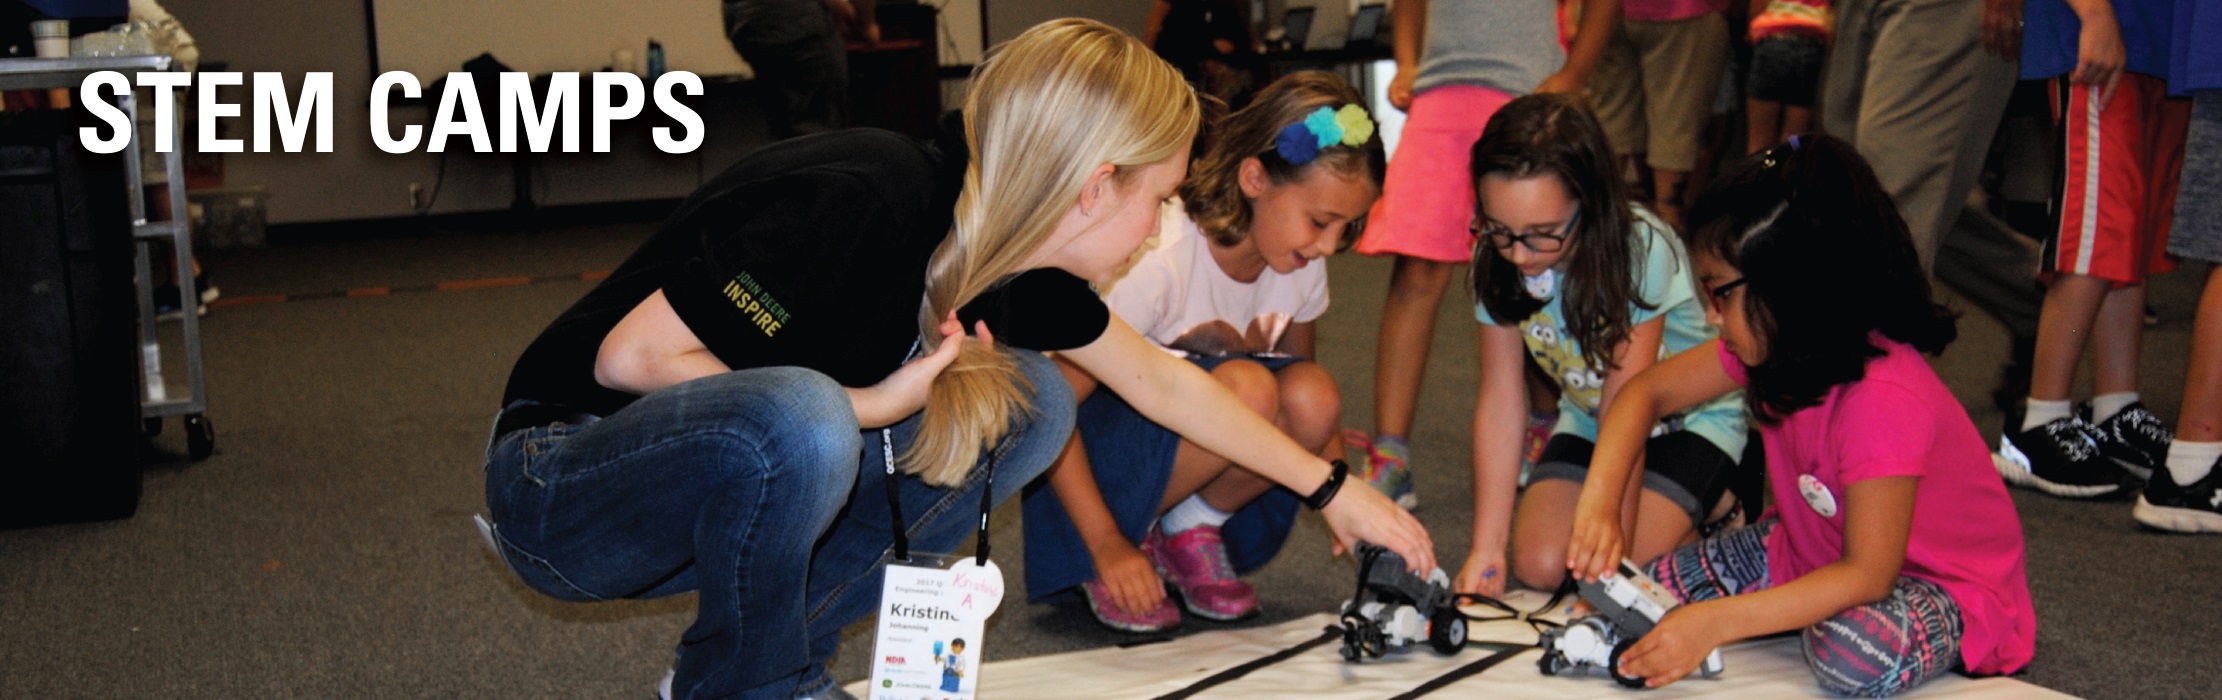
1195, 562
1164, 618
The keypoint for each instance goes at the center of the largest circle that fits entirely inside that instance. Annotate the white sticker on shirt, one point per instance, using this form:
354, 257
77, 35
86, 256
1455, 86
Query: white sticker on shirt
1817, 495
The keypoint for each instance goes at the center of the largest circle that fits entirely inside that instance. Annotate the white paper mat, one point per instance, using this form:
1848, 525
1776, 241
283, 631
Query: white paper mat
1764, 669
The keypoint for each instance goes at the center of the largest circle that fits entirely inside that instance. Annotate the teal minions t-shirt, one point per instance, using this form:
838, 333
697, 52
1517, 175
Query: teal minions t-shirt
1668, 285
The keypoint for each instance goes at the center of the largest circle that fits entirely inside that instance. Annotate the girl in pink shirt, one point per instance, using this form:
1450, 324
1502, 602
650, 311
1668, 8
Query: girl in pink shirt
1892, 544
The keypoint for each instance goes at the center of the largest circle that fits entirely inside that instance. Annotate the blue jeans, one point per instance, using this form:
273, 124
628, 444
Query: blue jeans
756, 488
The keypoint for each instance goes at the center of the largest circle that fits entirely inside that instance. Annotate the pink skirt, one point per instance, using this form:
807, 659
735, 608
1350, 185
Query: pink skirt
1428, 201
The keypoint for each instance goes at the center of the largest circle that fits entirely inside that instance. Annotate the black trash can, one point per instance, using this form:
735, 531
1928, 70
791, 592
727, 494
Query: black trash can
69, 383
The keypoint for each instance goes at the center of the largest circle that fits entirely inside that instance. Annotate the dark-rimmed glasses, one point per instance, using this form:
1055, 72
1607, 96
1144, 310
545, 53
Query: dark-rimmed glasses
1500, 237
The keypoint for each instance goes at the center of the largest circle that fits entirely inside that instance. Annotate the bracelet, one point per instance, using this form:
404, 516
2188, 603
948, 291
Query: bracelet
1327, 491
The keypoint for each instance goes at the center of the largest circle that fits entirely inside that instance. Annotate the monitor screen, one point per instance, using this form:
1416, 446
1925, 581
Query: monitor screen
1366, 25
1296, 25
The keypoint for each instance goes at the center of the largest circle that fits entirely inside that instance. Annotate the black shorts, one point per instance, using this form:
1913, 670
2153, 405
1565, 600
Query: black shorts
1786, 69
1683, 466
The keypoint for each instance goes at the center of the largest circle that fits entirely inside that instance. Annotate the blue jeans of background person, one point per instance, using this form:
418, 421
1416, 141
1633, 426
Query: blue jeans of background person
756, 488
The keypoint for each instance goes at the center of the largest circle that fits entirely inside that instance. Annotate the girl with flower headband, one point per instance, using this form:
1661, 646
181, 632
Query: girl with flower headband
1235, 284
1594, 289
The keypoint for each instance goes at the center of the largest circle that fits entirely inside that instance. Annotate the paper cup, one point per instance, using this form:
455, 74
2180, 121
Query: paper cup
51, 36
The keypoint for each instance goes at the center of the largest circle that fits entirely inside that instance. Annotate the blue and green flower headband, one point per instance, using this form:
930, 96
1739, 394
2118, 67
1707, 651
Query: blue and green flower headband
1301, 142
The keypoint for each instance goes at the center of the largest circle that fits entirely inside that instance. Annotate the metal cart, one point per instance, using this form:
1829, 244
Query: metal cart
155, 401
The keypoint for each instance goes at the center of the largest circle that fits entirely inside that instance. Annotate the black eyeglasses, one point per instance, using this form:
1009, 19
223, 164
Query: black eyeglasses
1501, 238
1719, 295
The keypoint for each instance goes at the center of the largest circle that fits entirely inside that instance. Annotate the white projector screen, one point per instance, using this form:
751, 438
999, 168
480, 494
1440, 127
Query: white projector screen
430, 38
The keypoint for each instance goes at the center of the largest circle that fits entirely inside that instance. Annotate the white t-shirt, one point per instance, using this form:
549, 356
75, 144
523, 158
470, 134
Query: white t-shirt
1176, 295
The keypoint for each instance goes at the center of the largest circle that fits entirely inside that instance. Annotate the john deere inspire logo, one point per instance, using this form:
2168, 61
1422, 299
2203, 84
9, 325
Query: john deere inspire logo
761, 308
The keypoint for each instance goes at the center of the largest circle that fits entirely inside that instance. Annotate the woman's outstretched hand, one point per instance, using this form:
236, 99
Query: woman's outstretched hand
903, 392
1360, 513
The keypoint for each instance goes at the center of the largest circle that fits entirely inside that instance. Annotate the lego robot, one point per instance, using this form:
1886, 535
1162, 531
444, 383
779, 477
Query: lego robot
1395, 609
1628, 606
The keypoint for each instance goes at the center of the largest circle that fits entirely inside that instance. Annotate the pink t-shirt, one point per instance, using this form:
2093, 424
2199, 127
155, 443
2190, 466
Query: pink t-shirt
1900, 420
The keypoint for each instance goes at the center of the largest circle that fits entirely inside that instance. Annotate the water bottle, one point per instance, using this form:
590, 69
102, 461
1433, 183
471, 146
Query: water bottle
655, 60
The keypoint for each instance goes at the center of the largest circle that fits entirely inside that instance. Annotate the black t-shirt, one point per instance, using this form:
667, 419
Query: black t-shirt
812, 253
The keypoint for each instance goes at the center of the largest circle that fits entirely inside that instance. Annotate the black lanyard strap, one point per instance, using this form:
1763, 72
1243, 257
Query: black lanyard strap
895, 498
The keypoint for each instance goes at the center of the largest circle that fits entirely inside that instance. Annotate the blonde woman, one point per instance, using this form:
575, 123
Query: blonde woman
713, 416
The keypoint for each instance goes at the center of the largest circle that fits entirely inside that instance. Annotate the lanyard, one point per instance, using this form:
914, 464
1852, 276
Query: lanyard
895, 500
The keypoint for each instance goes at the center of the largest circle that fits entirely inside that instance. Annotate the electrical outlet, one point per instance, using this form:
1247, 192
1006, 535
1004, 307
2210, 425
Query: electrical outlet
416, 196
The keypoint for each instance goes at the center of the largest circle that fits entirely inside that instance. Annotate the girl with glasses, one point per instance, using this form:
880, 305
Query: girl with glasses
1594, 289
1892, 547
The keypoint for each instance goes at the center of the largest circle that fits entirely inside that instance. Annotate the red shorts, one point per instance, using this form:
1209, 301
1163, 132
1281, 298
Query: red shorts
2118, 179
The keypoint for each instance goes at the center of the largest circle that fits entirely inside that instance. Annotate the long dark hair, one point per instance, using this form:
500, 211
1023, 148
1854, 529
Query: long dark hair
1826, 260
1213, 190
1555, 135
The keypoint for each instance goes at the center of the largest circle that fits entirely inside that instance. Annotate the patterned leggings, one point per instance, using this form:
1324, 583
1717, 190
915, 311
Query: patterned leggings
1875, 650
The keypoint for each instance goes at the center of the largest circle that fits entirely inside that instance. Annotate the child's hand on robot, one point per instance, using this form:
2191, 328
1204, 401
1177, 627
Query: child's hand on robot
1596, 546
1673, 649
1483, 574
1130, 577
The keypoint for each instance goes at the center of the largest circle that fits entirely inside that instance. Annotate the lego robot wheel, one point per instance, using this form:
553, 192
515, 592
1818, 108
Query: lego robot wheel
1552, 663
1612, 665
1447, 632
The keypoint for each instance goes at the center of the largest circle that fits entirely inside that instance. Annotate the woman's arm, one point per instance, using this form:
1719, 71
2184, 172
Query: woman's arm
1500, 416
1182, 397
1124, 571
652, 348
1687, 379
1408, 34
1878, 514
1599, 19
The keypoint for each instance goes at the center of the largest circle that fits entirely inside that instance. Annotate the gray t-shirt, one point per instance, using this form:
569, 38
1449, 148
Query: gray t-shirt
1510, 45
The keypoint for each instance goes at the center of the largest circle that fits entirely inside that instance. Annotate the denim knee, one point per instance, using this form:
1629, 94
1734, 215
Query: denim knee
1044, 435
805, 413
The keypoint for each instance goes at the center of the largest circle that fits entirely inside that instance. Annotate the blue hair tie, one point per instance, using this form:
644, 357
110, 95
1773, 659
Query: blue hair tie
1794, 142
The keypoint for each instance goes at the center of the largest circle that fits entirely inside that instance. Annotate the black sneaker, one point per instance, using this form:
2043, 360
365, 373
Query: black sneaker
2195, 508
2059, 458
2135, 439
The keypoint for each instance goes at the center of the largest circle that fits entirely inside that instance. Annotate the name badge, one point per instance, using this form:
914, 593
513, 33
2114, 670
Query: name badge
1817, 495
930, 631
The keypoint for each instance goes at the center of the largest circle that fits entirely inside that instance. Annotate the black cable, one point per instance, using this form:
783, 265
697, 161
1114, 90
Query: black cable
1527, 617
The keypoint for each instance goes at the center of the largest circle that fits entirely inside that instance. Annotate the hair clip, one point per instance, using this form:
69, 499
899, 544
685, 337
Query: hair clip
1794, 141
1300, 143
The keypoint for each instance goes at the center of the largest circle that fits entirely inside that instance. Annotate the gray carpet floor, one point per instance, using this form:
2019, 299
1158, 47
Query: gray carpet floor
325, 550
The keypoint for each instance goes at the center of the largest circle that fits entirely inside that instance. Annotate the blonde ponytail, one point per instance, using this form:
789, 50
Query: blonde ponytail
1045, 110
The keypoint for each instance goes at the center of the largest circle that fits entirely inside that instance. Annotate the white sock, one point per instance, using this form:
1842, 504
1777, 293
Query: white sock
1193, 513
2042, 412
2104, 406
2190, 461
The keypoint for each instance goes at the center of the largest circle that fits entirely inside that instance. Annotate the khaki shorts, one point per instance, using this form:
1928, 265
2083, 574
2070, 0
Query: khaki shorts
1653, 89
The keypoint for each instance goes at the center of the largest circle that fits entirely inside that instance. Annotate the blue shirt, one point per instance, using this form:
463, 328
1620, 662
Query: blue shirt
1668, 285
2196, 65
2051, 32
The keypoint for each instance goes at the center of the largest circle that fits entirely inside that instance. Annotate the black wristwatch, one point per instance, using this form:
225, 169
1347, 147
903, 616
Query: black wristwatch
1326, 492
